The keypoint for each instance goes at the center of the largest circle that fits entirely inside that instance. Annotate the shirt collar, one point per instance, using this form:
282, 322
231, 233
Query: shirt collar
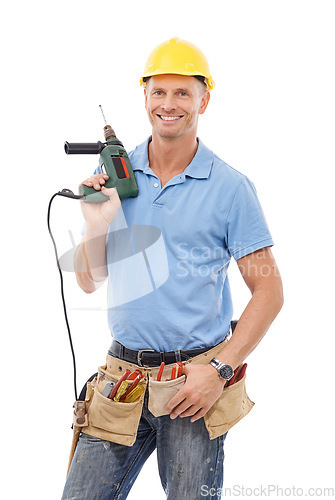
199, 168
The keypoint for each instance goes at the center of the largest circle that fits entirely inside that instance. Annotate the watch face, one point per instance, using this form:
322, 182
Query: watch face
226, 372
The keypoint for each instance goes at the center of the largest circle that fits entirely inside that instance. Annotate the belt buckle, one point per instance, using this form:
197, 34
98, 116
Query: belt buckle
139, 355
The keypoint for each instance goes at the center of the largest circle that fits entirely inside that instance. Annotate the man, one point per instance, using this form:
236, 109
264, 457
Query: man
204, 212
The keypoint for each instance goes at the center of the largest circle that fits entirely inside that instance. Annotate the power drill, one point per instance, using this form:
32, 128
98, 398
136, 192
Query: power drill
113, 161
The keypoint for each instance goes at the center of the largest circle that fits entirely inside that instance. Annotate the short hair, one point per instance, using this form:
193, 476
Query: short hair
202, 87
203, 84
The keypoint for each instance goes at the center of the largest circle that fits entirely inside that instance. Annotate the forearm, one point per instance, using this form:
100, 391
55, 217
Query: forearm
255, 321
90, 259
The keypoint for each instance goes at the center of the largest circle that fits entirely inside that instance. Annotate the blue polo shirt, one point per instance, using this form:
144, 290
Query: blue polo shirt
169, 249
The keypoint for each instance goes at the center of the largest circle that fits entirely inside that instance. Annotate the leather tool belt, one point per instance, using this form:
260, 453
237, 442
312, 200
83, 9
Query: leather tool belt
118, 421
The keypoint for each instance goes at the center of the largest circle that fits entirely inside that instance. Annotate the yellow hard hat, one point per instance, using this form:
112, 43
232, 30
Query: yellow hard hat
177, 57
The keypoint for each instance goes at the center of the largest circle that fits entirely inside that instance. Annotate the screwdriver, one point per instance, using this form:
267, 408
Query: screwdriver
132, 386
134, 394
117, 385
119, 393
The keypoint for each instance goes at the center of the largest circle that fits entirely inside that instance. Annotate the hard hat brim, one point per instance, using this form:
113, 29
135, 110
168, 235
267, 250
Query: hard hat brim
208, 81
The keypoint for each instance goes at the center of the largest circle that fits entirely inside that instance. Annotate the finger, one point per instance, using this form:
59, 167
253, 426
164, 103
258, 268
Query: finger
98, 177
97, 183
112, 194
88, 182
175, 401
192, 410
97, 180
103, 179
200, 413
92, 182
183, 407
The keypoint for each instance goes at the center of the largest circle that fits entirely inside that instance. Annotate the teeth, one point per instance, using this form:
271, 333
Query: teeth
170, 118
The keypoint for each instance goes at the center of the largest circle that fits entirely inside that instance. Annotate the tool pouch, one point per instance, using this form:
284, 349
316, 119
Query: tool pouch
232, 405
230, 408
107, 419
160, 394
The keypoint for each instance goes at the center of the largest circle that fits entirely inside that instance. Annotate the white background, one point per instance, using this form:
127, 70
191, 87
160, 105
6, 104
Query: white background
271, 116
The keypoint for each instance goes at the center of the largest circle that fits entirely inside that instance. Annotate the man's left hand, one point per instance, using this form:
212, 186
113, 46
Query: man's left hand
202, 388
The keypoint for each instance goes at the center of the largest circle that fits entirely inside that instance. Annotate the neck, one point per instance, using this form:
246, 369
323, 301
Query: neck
170, 157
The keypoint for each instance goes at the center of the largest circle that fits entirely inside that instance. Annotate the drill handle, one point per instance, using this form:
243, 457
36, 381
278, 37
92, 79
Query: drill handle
83, 148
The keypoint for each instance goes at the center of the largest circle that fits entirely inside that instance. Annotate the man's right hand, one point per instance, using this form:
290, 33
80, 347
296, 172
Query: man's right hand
100, 215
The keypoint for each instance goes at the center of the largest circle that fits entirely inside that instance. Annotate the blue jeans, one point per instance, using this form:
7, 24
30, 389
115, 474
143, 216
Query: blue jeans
190, 464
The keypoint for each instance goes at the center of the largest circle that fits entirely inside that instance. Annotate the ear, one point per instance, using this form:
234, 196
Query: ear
145, 99
204, 102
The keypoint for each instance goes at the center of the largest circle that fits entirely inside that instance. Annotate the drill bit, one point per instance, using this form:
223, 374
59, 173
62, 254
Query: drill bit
108, 131
102, 114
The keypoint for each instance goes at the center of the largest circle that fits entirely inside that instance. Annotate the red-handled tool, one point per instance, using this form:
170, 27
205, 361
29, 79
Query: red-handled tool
180, 368
132, 386
160, 371
233, 379
176, 371
134, 374
117, 385
238, 374
173, 373
241, 372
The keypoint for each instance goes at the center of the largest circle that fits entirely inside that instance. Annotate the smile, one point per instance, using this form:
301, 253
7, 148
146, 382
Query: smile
169, 118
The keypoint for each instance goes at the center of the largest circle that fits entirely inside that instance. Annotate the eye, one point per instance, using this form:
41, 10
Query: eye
183, 94
158, 93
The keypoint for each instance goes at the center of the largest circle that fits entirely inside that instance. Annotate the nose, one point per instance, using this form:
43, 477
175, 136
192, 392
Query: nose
169, 103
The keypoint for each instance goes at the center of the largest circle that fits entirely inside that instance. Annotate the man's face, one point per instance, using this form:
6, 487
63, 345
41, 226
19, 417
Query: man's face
173, 103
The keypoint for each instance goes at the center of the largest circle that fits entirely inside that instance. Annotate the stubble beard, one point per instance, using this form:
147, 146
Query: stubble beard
170, 135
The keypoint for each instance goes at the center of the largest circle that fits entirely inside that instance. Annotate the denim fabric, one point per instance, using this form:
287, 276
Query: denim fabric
189, 462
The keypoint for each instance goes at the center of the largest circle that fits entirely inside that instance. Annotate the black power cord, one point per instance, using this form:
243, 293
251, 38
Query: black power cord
68, 194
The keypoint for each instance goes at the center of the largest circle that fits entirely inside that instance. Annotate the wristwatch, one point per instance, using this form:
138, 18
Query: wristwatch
225, 371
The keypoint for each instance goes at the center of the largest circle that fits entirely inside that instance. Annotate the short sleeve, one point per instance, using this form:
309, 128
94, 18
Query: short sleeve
247, 229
